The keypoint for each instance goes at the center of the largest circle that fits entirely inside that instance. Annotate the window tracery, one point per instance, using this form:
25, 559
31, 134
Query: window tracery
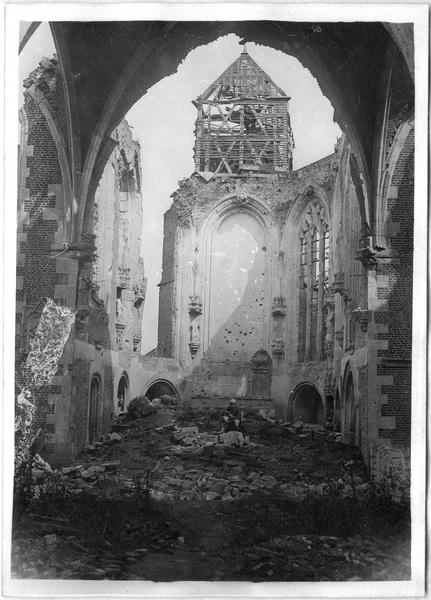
313, 281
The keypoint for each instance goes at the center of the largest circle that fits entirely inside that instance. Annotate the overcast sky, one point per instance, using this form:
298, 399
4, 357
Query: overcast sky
163, 122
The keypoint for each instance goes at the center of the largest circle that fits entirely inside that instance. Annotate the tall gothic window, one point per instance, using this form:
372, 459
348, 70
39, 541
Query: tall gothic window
313, 281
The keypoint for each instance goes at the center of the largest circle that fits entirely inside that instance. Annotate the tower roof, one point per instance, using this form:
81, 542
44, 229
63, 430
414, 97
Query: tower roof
243, 79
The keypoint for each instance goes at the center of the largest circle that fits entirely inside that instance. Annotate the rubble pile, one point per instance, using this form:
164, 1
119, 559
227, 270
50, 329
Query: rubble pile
183, 463
188, 462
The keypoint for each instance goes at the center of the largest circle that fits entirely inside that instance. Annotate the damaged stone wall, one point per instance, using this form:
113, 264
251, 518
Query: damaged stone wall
165, 337
43, 271
37, 373
199, 206
119, 269
100, 279
111, 295
374, 343
349, 298
279, 203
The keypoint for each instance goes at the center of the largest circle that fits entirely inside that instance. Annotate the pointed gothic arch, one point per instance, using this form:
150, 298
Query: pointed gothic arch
234, 206
123, 392
382, 232
313, 249
350, 418
131, 76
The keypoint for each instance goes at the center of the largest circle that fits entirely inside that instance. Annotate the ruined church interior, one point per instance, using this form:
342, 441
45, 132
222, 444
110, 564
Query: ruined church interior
283, 290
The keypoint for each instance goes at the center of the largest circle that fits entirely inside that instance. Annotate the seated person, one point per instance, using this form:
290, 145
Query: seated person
232, 417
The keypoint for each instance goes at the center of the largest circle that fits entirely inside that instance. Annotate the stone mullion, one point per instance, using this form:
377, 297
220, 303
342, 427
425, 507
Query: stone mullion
309, 291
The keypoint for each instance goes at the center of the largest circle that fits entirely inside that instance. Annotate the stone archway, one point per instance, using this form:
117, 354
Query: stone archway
123, 392
134, 68
161, 387
349, 417
306, 404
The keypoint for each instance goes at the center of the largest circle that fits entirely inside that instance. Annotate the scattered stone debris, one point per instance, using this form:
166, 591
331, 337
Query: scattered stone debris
182, 460
168, 400
140, 407
226, 479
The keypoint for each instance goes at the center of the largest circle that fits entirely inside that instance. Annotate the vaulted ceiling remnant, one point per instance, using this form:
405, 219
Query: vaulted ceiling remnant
108, 66
402, 34
345, 58
26, 30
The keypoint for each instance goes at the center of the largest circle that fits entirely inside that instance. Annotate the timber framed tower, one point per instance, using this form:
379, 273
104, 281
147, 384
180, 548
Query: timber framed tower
243, 123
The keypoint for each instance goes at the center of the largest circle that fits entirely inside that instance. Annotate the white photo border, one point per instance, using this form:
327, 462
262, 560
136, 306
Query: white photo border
418, 14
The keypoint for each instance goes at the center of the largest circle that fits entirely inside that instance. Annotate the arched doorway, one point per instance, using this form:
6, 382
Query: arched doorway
159, 388
350, 417
123, 392
306, 405
94, 409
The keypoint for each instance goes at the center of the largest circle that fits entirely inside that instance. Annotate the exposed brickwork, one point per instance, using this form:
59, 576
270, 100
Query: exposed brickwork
36, 269
402, 100
44, 169
396, 312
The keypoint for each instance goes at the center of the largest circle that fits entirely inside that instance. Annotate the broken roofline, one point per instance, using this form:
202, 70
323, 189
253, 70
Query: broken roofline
244, 55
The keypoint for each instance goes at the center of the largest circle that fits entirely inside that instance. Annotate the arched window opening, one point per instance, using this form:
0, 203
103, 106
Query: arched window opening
94, 409
313, 281
306, 405
161, 388
122, 393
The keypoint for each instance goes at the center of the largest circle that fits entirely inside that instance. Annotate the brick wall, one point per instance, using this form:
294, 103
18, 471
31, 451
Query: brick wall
39, 271
397, 286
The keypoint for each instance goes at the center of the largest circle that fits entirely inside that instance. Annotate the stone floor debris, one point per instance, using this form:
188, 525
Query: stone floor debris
184, 500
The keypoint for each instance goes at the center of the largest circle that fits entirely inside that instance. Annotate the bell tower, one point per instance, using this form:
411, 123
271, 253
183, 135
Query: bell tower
243, 123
